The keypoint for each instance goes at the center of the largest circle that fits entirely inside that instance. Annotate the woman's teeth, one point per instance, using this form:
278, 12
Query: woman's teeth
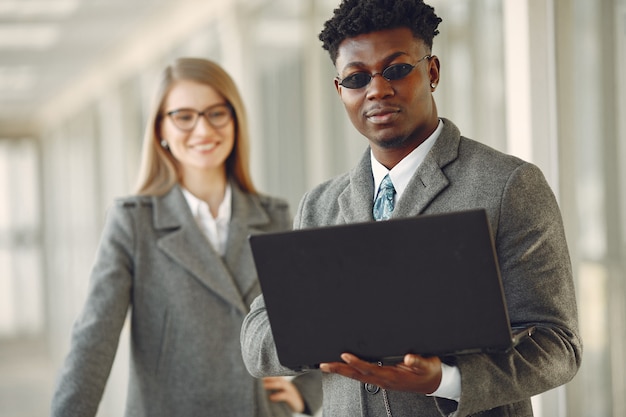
206, 146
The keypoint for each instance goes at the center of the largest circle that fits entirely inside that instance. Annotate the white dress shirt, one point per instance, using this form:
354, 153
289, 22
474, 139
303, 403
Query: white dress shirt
401, 174
214, 228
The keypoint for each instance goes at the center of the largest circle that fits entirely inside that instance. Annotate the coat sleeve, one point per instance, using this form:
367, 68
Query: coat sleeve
539, 289
96, 332
261, 359
310, 386
256, 332
257, 341
257, 344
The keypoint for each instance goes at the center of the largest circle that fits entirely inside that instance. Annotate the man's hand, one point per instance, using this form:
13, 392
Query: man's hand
415, 374
283, 390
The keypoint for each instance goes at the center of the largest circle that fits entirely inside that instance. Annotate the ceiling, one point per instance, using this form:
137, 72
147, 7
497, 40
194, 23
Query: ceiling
54, 54
45, 45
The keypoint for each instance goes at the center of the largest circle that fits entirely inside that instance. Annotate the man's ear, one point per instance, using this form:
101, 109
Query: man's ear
433, 69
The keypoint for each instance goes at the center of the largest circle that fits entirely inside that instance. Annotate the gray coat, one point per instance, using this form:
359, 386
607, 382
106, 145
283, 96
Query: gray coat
187, 305
459, 174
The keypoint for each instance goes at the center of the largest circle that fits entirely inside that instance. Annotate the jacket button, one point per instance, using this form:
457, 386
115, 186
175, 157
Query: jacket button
371, 388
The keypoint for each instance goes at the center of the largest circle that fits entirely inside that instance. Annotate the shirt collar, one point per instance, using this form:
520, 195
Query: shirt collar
402, 173
199, 208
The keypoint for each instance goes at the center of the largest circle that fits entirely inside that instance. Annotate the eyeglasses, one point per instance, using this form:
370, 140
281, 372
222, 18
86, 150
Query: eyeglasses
187, 119
391, 73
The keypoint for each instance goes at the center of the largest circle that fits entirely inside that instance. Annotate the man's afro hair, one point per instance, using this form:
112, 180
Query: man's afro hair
357, 17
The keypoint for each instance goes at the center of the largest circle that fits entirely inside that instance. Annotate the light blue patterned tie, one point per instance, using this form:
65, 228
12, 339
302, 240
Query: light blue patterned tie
383, 205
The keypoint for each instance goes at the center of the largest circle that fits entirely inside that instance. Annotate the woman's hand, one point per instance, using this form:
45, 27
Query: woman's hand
283, 390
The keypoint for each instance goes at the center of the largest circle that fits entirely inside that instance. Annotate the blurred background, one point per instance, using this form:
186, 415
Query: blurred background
541, 79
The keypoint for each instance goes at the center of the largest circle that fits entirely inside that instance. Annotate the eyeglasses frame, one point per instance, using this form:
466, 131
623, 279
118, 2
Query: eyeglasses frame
200, 114
382, 74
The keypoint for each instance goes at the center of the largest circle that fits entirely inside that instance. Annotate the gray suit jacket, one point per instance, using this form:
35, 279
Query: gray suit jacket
459, 174
187, 305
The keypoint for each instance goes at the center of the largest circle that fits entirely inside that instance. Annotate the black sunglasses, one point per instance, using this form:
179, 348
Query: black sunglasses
391, 73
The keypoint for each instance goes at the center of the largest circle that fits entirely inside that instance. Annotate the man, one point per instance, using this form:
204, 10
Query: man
386, 76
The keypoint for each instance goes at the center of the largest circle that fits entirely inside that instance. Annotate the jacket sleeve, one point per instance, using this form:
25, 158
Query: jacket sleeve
257, 341
310, 386
539, 289
95, 334
257, 344
261, 359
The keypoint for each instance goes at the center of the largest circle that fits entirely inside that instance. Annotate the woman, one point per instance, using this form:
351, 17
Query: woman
176, 254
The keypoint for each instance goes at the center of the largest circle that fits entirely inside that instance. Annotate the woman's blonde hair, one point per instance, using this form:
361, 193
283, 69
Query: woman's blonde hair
159, 170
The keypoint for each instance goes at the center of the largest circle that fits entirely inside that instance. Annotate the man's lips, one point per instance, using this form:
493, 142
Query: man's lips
382, 115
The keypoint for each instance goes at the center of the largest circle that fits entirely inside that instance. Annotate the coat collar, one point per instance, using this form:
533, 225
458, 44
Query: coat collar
185, 244
356, 201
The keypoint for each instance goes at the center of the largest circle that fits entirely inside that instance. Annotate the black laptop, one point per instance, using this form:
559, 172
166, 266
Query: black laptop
428, 284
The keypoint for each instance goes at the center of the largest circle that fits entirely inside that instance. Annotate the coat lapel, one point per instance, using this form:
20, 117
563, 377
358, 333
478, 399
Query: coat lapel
429, 180
248, 217
356, 201
185, 244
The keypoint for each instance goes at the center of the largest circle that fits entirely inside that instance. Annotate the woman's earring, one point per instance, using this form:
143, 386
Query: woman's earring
433, 85
164, 144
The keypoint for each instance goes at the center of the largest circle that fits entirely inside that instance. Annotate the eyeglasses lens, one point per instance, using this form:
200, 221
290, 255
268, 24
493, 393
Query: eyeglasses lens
396, 72
218, 116
391, 73
186, 119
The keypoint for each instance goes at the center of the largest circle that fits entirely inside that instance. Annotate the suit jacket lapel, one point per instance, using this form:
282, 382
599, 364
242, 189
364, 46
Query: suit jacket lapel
185, 244
356, 201
429, 180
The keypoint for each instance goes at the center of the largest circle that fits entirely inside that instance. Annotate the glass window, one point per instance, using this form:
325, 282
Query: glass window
21, 286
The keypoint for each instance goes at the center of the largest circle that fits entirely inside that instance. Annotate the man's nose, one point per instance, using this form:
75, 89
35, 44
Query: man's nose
379, 87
